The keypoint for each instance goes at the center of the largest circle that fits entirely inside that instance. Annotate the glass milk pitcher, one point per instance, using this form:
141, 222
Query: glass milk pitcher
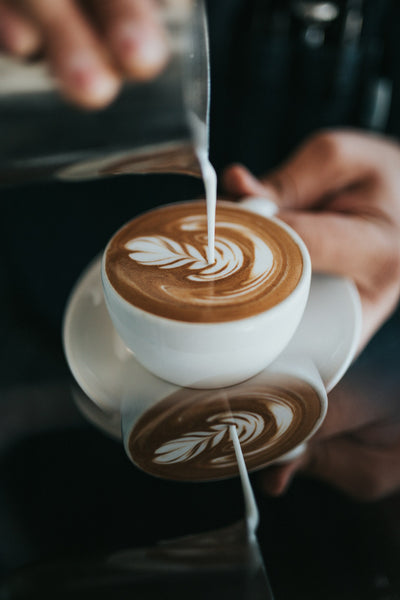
156, 126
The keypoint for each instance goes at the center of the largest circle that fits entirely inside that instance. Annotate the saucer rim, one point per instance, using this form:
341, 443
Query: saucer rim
93, 406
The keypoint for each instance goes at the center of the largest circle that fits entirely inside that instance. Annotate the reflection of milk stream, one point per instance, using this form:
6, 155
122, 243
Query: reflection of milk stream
252, 514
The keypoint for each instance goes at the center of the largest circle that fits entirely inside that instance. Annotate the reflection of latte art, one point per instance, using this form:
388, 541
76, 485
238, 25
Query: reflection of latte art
186, 436
190, 445
159, 262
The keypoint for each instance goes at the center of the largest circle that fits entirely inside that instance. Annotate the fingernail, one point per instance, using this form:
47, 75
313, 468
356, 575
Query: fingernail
262, 206
82, 72
140, 46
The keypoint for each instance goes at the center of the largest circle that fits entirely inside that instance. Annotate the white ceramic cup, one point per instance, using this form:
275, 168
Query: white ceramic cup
210, 355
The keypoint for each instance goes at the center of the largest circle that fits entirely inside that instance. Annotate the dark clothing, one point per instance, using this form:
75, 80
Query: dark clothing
275, 81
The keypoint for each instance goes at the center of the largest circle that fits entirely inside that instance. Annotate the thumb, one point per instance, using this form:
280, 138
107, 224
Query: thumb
238, 181
326, 163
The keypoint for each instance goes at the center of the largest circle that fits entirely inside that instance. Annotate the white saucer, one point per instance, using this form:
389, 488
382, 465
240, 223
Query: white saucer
328, 334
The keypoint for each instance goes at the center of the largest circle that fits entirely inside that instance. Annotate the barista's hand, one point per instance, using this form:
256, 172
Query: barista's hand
91, 45
341, 192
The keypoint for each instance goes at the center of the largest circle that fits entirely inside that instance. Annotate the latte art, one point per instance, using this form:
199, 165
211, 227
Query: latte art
187, 435
160, 262
165, 253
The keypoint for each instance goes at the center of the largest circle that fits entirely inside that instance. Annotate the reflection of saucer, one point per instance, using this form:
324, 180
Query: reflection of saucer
328, 334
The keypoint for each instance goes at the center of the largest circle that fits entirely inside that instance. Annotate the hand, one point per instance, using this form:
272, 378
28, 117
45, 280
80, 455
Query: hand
341, 192
90, 45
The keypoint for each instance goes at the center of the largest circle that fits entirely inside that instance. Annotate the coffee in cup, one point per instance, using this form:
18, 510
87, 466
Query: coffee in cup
198, 324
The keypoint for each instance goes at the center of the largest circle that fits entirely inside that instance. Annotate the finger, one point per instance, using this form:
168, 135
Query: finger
357, 248
325, 164
364, 472
343, 244
238, 181
135, 36
77, 58
17, 34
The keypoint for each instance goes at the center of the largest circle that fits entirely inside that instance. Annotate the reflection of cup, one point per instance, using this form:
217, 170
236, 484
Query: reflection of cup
183, 434
202, 325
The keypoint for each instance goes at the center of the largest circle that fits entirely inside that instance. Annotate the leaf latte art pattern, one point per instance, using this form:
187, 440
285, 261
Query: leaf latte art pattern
159, 263
165, 253
186, 436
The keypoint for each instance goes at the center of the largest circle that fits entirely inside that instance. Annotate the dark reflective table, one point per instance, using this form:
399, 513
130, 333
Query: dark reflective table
68, 495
